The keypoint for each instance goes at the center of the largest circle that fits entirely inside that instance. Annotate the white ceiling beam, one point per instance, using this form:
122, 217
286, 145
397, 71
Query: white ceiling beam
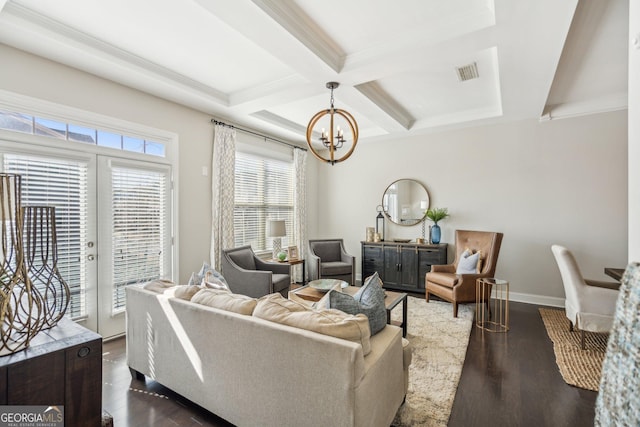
386, 103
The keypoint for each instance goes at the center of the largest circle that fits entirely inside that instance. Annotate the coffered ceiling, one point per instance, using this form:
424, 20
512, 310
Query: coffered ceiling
264, 63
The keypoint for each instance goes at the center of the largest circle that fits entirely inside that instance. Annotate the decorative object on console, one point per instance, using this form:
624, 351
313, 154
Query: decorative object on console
334, 138
41, 258
33, 295
370, 234
380, 224
435, 215
276, 228
403, 201
424, 205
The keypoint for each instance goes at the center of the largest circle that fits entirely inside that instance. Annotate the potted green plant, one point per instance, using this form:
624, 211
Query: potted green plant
435, 215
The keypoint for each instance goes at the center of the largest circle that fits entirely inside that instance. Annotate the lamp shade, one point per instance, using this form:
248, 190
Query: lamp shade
276, 228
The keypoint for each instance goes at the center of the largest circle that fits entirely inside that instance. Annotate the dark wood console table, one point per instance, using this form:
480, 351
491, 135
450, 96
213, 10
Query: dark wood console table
62, 366
401, 266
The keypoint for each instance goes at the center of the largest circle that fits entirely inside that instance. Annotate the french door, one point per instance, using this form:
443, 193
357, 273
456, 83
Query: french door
113, 220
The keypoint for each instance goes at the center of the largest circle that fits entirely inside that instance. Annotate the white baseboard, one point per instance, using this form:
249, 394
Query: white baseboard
536, 299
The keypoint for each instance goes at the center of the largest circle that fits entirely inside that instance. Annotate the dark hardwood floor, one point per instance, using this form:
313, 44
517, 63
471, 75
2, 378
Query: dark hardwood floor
508, 380
511, 379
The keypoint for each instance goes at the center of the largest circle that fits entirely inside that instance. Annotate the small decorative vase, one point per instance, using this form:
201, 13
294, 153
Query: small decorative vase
435, 234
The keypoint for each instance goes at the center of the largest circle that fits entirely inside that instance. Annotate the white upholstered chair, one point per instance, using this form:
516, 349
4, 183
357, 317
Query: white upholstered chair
589, 304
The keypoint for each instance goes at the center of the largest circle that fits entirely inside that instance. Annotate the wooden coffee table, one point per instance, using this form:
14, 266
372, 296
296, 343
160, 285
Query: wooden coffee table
391, 301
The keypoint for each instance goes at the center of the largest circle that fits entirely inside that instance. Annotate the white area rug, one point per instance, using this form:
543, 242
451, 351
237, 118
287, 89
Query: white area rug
439, 344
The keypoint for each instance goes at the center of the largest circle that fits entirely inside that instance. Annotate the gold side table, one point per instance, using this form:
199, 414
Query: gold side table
492, 317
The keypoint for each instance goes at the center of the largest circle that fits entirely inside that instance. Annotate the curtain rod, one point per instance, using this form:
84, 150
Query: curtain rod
218, 122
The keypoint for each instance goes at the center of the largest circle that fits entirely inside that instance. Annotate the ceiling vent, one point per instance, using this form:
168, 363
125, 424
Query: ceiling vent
467, 72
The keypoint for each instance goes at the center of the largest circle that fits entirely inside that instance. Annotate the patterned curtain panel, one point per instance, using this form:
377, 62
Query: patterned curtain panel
222, 187
300, 202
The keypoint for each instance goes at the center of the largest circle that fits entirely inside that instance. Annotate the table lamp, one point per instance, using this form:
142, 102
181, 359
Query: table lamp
276, 228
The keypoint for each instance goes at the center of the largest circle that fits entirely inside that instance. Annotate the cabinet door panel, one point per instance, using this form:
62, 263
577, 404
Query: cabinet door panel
409, 267
372, 261
391, 266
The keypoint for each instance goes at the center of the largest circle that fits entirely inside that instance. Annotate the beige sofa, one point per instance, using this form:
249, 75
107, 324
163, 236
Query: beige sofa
252, 371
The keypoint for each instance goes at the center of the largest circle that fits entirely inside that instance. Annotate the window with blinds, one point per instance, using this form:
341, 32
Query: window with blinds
263, 190
62, 184
139, 217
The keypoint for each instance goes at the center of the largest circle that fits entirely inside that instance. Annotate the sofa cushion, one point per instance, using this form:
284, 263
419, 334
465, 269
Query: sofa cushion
327, 251
158, 286
224, 300
335, 268
335, 323
369, 300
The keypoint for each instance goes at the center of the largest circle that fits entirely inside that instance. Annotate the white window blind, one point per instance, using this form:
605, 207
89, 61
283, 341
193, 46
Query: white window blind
62, 184
139, 218
263, 190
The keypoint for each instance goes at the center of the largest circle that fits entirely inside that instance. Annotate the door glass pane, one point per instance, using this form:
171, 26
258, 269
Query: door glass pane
139, 238
62, 184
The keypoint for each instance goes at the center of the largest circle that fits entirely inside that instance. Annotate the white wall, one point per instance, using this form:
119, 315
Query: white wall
634, 130
27, 74
504, 178
559, 182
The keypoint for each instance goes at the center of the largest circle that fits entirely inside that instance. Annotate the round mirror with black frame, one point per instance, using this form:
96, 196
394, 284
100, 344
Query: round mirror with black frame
405, 202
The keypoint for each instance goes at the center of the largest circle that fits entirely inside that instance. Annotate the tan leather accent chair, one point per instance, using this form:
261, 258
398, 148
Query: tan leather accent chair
443, 281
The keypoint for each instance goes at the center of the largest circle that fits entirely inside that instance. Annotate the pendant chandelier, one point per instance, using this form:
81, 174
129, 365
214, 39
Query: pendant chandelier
333, 139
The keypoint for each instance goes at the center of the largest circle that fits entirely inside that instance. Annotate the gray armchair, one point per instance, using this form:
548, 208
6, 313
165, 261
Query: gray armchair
249, 275
328, 259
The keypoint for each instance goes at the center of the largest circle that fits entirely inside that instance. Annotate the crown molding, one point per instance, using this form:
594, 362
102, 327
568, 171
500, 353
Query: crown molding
80, 41
606, 104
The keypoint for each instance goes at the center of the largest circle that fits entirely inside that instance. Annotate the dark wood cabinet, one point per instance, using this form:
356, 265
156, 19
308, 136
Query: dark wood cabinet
62, 366
401, 266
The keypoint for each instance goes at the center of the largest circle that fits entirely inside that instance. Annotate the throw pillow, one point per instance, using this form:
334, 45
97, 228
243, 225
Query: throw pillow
208, 273
185, 292
225, 300
214, 281
468, 263
369, 300
335, 323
